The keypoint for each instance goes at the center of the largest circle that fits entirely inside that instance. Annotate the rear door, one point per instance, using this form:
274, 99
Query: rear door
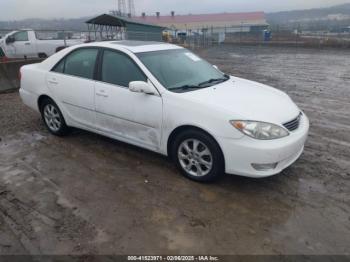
71, 82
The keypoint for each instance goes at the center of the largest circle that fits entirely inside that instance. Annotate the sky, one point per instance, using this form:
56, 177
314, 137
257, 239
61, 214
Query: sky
21, 9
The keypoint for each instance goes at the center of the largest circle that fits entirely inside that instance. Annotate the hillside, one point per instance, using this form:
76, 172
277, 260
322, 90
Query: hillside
43, 24
313, 19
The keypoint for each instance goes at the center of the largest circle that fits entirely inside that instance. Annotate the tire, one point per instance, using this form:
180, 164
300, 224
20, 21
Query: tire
53, 118
60, 48
42, 55
198, 156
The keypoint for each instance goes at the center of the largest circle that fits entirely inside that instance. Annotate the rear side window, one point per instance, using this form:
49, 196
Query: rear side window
21, 36
60, 67
80, 63
119, 69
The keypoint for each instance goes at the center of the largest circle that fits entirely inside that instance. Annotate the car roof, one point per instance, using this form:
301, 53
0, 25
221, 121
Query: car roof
137, 46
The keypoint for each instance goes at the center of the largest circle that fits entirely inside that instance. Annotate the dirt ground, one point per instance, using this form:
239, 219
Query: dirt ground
86, 194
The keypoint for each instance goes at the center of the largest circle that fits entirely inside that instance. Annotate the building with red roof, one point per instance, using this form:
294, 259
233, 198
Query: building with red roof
248, 21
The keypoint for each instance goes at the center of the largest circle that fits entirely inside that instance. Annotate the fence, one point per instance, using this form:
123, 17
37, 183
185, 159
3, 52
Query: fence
90, 36
277, 37
206, 37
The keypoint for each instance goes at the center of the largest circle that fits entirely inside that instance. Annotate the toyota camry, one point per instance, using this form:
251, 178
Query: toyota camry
165, 98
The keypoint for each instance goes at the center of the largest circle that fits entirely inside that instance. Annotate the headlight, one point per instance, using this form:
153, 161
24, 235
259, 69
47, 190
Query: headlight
260, 130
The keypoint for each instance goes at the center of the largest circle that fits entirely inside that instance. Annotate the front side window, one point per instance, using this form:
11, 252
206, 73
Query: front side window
80, 63
180, 68
119, 69
21, 36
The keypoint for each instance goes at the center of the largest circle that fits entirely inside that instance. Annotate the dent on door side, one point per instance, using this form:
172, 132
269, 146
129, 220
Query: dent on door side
139, 133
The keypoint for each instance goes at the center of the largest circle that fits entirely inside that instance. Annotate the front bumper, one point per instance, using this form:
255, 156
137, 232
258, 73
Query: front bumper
240, 154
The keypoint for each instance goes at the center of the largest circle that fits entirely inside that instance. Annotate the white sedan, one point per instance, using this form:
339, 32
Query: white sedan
166, 99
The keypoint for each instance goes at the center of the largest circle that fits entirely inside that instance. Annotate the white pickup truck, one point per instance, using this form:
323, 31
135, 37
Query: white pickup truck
30, 44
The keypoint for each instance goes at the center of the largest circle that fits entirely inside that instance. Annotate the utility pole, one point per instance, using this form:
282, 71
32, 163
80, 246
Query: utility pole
122, 7
132, 8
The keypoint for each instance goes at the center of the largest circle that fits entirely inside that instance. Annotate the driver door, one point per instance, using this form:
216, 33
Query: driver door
21, 47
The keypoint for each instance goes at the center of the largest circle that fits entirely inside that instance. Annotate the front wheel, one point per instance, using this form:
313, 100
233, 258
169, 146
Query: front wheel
198, 156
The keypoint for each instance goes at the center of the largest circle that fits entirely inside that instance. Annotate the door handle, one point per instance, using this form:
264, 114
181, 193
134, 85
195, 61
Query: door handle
27, 43
53, 81
101, 93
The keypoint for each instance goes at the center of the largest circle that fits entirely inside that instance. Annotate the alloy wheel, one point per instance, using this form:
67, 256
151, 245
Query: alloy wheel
195, 157
52, 118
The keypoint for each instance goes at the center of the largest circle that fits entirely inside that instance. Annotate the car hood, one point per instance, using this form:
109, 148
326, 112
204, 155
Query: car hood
248, 100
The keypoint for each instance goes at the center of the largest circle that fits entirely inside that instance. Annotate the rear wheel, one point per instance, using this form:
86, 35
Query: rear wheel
53, 118
60, 48
42, 55
198, 156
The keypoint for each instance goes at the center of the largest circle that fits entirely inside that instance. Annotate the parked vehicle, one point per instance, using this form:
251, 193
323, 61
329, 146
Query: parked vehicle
27, 44
166, 99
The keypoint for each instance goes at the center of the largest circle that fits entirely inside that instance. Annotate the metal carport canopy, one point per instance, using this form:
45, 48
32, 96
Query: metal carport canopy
110, 20
107, 20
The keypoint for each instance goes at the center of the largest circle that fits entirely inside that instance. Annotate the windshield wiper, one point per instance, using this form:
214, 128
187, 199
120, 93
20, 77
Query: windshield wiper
203, 84
185, 87
215, 80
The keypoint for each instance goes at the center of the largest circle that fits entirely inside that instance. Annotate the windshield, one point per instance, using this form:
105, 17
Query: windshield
181, 70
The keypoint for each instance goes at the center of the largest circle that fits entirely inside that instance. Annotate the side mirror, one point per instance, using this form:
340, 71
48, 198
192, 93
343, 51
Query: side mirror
141, 87
10, 39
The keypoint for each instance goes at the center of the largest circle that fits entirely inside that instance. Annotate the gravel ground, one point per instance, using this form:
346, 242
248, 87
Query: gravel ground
86, 194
